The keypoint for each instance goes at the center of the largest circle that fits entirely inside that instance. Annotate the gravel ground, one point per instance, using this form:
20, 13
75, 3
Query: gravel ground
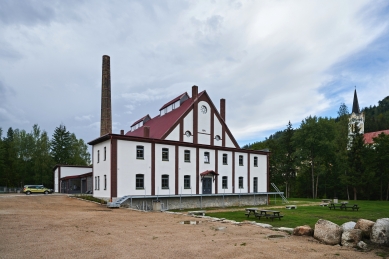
56, 226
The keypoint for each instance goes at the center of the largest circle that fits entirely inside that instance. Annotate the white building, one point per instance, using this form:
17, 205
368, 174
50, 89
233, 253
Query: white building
72, 179
187, 149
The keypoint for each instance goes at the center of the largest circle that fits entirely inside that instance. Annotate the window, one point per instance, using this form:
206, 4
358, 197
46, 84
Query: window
186, 181
225, 159
165, 181
206, 157
217, 137
240, 182
225, 182
187, 156
98, 182
139, 152
188, 133
98, 156
105, 182
105, 153
241, 160
139, 181
255, 184
95, 182
255, 161
165, 154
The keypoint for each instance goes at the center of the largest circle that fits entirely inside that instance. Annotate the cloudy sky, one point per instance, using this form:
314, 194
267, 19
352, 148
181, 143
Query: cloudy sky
273, 61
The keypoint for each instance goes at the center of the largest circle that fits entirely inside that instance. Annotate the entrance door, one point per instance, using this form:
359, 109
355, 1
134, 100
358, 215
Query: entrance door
207, 185
255, 184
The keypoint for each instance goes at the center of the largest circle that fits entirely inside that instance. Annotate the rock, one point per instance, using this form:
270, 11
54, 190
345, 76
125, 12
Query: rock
351, 237
263, 225
364, 225
380, 232
327, 232
287, 230
348, 225
303, 231
362, 245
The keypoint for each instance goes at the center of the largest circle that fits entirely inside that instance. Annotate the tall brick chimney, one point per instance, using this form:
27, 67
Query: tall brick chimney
195, 92
106, 112
223, 109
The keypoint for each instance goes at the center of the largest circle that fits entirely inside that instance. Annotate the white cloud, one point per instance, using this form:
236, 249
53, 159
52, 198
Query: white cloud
272, 61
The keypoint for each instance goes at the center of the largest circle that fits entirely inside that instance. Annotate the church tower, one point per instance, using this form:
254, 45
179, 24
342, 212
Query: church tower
357, 119
106, 113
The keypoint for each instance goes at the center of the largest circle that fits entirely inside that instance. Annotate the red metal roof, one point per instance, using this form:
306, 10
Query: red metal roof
174, 100
369, 136
208, 172
159, 125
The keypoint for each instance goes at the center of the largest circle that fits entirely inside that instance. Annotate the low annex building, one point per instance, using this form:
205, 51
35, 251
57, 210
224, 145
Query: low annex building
187, 149
73, 179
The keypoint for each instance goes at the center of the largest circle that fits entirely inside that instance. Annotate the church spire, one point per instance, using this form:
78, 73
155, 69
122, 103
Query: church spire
355, 103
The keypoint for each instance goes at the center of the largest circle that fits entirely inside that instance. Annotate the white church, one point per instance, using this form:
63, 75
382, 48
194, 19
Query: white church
185, 150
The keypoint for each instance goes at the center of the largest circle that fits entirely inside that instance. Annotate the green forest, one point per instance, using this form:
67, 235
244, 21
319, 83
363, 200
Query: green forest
313, 161
29, 158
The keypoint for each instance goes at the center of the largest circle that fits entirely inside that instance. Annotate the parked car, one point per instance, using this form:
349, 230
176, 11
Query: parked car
29, 189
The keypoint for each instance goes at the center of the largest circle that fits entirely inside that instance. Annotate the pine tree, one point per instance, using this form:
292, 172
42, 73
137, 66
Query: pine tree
61, 145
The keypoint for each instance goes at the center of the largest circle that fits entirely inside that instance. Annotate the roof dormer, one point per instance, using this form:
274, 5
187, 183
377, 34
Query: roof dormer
173, 104
139, 123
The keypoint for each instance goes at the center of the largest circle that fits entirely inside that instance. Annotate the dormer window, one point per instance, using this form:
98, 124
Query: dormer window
139, 123
173, 104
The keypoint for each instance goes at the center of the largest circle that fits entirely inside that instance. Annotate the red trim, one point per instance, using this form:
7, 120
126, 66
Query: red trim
152, 168
268, 173
233, 172
248, 173
114, 168
197, 171
212, 128
77, 176
176, 169
216, 169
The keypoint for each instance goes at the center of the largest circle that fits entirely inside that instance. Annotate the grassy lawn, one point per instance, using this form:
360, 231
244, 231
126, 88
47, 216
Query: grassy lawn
308, 212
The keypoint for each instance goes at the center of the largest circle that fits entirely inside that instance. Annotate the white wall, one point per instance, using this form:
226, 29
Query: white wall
224, 170
217, 131
164, 167
241, 171
101, 168
229, 143
175, 134
71, 171
206, 166
187, 168
204, 124
56, 176
261, 171
129, 166
188, 126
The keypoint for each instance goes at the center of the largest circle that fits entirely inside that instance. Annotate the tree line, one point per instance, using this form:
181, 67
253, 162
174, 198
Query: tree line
313, 160
29, 157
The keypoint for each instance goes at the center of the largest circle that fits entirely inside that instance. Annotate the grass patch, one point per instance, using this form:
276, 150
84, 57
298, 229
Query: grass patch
308, 213
90, 198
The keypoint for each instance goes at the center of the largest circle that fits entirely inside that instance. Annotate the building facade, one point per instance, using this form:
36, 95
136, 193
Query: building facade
186, 149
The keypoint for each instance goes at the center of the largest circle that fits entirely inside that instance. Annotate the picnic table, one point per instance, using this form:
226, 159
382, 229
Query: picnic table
250, 210
272, 214
343, 206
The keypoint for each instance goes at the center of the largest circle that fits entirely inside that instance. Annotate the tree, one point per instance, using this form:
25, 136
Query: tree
356, 173
381, 148
79, 154
314, 144
61, 145
289, 171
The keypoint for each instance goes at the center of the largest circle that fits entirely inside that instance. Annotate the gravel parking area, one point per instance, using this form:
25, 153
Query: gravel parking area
56, 226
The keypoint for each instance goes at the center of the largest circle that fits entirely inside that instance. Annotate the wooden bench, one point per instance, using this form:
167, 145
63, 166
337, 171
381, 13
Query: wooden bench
268, 215
343, 206
353, 207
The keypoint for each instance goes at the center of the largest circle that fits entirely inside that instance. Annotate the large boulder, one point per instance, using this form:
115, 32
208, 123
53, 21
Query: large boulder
364, 225
351, 237
380, 232
303, 231
348, 225
327, 232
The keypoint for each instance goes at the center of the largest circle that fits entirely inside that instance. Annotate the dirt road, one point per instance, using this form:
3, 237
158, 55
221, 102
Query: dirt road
56, 226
